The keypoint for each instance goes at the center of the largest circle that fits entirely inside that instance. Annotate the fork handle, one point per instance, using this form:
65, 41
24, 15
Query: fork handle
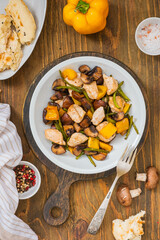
98, 217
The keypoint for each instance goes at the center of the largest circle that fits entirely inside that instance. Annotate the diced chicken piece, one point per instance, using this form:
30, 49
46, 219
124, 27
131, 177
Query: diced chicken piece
106, 140
120, 101
54, 136
98, 116
99, 127
76, 113
110, 83
76, 81
91, 90
76, 139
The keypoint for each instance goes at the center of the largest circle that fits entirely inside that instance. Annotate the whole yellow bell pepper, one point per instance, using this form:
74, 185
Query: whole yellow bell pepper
86, 16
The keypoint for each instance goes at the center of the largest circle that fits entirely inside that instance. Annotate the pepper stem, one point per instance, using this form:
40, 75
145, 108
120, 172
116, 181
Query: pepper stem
82, 7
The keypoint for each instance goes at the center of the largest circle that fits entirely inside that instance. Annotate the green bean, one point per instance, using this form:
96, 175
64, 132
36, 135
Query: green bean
63, 132
80, 155
130, 126
108, 110
120, 91
110, 120
135, 128
120, 84
134, 125
57, 126
65, 109
61, 74
69, 87
123, 95
91, 160
107, 98
114, 100
128, 109
110, 114
96, 150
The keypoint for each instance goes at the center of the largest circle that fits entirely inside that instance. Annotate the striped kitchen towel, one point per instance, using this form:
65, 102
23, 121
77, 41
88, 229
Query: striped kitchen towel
11, 227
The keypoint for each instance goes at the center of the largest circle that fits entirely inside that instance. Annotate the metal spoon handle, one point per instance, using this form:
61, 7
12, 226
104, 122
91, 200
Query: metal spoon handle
98, 217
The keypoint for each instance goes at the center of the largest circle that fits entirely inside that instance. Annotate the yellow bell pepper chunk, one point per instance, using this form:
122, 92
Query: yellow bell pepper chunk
122, 125
70, 149
93, 143
69, 73
61, 112
105, 146
102, 90
52, 113
89, 114
108, 130
126, 107
76, 101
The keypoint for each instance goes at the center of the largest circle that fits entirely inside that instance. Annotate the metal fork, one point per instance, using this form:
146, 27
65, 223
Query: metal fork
124, 165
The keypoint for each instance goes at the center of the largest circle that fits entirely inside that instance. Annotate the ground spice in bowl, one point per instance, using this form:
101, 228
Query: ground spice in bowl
25, 178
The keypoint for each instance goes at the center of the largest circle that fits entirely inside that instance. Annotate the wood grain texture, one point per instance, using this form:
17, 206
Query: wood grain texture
117, 40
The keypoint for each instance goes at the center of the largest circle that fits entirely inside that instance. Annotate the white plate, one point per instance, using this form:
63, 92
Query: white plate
33, 190
38, 9
41, 96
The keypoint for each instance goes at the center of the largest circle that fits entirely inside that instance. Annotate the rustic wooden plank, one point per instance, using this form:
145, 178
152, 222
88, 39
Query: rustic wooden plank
116, 40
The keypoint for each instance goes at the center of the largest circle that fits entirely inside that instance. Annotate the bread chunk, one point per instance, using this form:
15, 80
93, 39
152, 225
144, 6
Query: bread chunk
23, 20
5, 31
13, 55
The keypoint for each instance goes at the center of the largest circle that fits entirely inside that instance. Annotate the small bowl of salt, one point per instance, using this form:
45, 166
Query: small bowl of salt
147, 36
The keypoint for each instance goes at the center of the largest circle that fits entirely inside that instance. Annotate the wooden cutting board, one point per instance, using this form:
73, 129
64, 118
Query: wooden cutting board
60, 198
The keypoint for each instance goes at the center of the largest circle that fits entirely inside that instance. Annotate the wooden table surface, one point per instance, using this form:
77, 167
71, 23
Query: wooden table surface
117, 40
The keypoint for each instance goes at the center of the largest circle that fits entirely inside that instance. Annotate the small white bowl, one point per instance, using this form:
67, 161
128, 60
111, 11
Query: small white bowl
151, 20
33, 190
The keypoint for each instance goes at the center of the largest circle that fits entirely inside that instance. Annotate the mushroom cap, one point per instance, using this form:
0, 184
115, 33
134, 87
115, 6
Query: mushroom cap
84, 69
85, 122
91, 131
152, 177
118, 116
58, 149
123, 195
99, 156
